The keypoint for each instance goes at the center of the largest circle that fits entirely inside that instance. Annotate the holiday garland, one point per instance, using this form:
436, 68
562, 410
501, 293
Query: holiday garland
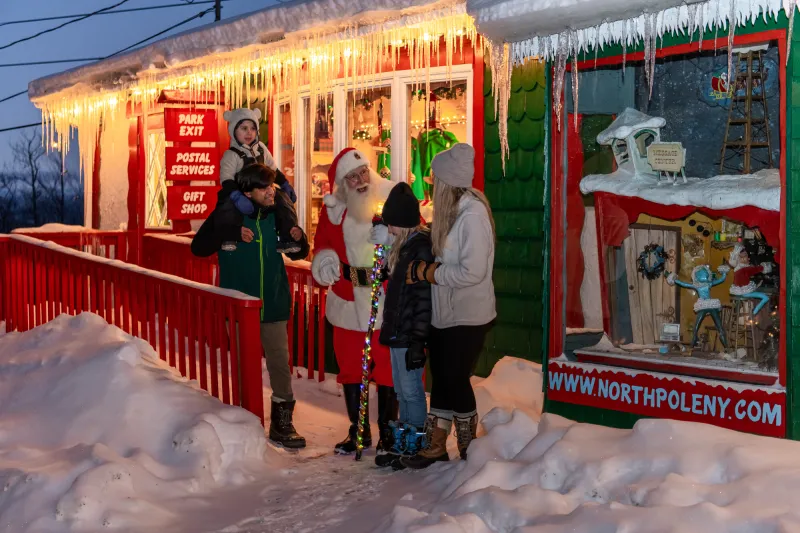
366, 357
652, 270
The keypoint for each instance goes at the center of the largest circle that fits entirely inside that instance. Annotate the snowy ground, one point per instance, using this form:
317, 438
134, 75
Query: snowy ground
98, 436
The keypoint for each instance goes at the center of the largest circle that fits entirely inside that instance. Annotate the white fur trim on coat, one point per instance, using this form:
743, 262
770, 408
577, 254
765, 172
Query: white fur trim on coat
353, 315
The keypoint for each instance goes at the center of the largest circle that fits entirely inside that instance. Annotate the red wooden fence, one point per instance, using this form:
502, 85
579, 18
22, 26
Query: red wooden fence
108, 244
171, 254
187, 323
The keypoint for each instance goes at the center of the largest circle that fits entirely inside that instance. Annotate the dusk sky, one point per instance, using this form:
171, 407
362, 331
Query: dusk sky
97, 36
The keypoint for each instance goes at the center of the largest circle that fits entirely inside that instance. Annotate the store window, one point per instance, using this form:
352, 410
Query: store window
156, 182
672, 249
285, 145
319, 155
369, 120
436, 121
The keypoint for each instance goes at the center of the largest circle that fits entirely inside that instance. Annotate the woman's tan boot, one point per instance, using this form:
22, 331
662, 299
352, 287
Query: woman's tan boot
436, 433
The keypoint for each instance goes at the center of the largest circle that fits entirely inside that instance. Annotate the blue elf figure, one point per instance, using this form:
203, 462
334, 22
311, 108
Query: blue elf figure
702, 281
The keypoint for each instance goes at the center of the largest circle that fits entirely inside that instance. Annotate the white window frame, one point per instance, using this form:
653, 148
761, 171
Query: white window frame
399, 82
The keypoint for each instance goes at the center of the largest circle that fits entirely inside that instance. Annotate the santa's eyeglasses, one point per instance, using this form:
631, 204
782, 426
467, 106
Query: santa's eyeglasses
357, 176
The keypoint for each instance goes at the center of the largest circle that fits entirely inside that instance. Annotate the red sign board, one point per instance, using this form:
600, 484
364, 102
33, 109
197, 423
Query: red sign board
190, 203
190, 125
749, 408
187, 164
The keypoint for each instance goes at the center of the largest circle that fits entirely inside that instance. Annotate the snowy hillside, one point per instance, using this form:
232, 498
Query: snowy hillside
99, 435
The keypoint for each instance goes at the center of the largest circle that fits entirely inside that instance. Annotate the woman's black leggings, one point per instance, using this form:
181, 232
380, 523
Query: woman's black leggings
453, 355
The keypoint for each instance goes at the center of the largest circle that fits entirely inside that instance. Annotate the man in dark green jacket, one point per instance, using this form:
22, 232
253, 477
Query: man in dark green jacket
256, 268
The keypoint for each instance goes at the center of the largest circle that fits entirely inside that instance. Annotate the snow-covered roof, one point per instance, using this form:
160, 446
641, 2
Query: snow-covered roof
533, 26
258, 29
762, 190
627, 122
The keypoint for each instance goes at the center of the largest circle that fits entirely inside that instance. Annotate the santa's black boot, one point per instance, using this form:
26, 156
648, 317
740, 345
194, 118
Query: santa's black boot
352, 400
387, 412
281, 428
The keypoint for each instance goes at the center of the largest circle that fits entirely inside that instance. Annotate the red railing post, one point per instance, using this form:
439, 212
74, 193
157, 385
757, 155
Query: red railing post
250, 350
5, 283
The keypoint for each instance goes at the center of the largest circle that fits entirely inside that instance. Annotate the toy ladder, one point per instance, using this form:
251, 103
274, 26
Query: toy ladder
747, 130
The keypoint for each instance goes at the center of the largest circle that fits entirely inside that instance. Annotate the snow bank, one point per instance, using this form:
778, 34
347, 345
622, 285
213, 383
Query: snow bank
513, 384
662, 476
95, 432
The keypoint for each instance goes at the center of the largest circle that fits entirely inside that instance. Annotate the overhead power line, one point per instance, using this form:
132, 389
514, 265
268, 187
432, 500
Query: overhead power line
50, 62
21, 127
54, 28
13, 96
181, 23
114, 12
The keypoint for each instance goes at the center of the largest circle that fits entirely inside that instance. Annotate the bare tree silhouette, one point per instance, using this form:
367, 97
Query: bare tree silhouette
27, 153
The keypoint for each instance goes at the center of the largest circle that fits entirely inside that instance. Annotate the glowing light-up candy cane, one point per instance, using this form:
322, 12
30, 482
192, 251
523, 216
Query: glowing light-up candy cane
366, 358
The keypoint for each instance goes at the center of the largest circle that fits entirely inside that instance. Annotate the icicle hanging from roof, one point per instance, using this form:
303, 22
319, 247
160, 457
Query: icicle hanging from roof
644, 28
360, 54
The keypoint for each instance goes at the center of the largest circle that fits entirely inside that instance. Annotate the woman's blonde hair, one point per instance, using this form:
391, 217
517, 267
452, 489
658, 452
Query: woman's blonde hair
399, 240
445, 211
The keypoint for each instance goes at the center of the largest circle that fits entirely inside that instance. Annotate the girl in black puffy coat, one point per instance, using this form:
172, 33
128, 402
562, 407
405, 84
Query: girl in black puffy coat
406, 319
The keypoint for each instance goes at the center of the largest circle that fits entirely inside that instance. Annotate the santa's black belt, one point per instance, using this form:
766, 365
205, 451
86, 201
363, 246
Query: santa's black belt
360, 276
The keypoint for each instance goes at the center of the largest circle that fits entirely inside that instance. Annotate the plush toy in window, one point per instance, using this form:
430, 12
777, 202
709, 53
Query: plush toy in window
702, 281
743, 284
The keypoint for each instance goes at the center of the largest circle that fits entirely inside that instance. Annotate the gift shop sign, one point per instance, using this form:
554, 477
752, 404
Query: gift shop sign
190, 125
189, 203
747, 408
186, 164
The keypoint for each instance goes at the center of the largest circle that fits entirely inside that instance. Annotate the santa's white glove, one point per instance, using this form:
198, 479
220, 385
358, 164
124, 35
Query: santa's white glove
329, 272
380, 235
767, 268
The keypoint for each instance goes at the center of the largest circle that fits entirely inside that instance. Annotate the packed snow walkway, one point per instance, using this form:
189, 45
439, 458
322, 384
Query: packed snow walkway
97, 435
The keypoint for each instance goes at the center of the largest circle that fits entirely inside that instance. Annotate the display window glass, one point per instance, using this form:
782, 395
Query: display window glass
319, 115
436, 121
369, 125
155, 192
672, 213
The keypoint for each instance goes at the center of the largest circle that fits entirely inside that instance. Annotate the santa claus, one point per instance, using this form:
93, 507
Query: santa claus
743, 285
343, 257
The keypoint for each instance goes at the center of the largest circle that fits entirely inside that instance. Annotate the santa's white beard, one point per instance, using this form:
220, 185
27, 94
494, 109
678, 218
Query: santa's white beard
363, 206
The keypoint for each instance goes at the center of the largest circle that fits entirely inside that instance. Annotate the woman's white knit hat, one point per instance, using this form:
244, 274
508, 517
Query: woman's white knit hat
456, 166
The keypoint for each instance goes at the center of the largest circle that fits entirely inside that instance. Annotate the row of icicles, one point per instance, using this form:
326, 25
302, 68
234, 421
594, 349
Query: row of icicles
355, 57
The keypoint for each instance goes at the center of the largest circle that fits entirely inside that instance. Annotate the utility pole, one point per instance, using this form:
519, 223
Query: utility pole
217, 10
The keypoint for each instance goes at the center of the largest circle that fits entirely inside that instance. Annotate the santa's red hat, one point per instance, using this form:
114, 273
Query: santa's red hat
347, 161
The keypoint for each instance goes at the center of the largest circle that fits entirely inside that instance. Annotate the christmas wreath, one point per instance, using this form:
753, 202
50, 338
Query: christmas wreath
652, 261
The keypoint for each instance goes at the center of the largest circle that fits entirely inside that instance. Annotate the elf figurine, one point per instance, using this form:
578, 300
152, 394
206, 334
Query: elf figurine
743, 272
702, 281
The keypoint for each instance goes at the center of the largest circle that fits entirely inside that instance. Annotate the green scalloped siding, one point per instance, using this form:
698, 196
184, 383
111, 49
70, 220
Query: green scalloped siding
517, 199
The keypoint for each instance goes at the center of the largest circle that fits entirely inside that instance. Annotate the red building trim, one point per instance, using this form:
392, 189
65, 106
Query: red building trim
478, 103
96, 184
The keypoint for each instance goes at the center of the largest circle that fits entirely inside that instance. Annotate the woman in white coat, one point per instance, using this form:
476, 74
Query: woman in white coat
463, 300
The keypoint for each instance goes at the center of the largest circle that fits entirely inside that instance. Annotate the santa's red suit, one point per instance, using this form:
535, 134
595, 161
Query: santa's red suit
343, 238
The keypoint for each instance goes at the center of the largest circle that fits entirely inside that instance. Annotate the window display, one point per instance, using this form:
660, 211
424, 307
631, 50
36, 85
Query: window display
286, 143
369, 120
156, 182
437, 121
686, 279
319, 120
